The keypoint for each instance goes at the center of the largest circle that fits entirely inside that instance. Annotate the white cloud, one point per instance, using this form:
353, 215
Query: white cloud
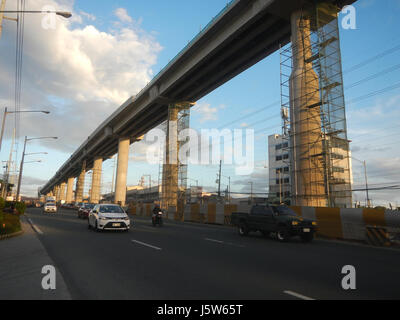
79, 73
88, 16
123, 15
206, 112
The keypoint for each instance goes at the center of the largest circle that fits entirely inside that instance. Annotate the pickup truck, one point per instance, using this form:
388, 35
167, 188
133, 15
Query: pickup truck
279, 220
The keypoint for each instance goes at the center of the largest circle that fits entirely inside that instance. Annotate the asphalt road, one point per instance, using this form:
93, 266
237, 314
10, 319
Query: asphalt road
192, 261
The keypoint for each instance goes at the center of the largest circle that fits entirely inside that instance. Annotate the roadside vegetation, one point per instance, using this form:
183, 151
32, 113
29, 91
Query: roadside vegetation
10, 216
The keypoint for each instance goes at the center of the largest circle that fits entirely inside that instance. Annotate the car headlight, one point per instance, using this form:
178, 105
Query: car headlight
295, 223
314, 223
126, 218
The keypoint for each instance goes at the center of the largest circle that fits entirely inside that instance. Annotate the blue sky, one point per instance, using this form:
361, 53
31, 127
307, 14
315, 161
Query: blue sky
373, 123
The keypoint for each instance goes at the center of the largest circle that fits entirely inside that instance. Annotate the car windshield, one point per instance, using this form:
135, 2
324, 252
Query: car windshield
89, 206
111, 209
285, 211
51, 204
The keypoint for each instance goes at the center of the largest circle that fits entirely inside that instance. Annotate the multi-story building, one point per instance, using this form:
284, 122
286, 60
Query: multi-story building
279, 169
338, 183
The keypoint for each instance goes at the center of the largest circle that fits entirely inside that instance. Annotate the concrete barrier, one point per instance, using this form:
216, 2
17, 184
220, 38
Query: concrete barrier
377, 236
349, 224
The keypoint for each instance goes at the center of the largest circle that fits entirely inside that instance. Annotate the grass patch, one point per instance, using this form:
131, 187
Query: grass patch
9, 223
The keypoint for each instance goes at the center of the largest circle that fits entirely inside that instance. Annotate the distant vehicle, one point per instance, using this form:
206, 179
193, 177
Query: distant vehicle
38, 204
50, 207
83, 211
108, 217
279, 220
50, 199
78, 205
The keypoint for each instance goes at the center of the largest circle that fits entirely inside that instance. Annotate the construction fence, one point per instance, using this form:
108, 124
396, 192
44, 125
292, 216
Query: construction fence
338, 223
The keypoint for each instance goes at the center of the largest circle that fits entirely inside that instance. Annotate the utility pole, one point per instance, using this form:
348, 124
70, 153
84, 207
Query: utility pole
280, 186
21, 167
2, 17
113, 177
9, 164
368, 204
219, 179
2, 125
229, 190
3, 5
251, 192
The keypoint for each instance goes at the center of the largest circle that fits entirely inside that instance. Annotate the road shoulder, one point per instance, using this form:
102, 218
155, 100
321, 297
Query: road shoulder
22, 260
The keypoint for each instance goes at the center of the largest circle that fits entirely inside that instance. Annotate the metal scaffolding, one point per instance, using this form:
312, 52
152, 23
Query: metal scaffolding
313, 110
174, 177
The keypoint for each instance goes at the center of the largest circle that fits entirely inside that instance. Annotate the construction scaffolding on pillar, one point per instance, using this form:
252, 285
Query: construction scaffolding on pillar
174, 177
313, 110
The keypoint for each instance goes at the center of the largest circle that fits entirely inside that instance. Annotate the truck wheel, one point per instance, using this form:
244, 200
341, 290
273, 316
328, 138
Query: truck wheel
307, 237
243, 230
282, 235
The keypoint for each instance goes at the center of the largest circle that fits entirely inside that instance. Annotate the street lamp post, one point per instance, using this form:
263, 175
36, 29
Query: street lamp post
22, 162
64, 14
10, 112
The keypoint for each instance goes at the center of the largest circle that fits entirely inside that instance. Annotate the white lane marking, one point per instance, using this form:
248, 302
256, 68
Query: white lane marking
146, 244
223, 242
35, 227
213, 240
298, 295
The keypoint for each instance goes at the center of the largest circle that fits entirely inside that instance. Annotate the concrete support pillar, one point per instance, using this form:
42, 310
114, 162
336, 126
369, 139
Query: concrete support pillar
308, 186
170, 168
80, 184
122, 171
62, 191
70, 190
55, 192
96, 180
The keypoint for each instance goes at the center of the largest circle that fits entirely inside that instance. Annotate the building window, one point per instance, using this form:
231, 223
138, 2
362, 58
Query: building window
285, 156
286, 180
278, 158
278, 147
286, 169
285, 145
338, 170
337, 156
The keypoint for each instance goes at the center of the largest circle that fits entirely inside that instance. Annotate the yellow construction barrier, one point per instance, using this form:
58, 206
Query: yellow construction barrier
377, 236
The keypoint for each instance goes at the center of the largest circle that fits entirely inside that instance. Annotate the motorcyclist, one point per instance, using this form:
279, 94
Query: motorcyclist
156, 211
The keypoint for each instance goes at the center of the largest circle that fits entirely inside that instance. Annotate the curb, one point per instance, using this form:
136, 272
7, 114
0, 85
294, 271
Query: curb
11, 235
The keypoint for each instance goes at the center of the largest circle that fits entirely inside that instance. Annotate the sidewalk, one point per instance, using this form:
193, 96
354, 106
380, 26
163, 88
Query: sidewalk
21, 262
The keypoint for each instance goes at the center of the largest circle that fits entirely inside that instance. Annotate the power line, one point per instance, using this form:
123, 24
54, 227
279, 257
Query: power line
274, 104
374, 76
355, 67
372, 59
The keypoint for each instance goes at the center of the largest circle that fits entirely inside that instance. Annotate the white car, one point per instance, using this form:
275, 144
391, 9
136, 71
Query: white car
108, 217
50, 207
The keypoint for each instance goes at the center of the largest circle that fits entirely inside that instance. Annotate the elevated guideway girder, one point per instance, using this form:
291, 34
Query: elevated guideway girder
246, 32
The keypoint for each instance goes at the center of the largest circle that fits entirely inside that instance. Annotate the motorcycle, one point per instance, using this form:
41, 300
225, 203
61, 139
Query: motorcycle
157, 219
